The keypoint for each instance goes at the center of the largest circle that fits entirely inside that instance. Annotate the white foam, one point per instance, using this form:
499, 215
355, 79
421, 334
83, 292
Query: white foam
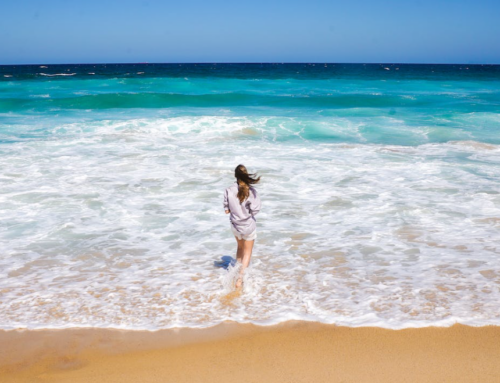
117, 224
56, 74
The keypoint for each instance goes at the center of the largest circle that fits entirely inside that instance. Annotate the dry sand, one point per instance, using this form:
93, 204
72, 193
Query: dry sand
290, 352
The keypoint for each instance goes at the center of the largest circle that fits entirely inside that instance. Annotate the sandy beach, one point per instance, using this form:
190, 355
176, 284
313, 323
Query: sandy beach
290, 352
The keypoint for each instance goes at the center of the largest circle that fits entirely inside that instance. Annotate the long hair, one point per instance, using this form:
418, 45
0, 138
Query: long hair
244, 181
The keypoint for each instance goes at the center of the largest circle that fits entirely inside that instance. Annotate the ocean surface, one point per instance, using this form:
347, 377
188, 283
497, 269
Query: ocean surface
380, 189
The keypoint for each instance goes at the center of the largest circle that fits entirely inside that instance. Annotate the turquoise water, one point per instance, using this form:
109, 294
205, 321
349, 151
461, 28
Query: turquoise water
382, 104
380, 188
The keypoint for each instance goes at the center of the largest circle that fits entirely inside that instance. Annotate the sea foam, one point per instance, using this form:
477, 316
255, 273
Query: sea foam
117, 224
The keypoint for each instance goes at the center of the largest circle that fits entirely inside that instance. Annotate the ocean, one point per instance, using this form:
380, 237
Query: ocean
380, 190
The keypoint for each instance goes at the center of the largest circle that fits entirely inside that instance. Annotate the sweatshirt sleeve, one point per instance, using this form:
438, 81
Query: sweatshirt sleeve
254, 206
226, 201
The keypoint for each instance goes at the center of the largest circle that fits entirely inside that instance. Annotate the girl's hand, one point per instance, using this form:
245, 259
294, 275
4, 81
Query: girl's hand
227, 211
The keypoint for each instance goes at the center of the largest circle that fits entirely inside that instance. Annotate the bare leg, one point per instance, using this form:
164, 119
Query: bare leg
239, 252
247, 254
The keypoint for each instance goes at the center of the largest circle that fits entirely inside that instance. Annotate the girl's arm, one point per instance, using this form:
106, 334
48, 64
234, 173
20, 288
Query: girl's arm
226, 202
254, 202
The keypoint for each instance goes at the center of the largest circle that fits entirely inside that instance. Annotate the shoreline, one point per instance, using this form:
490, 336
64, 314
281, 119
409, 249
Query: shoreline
292, 351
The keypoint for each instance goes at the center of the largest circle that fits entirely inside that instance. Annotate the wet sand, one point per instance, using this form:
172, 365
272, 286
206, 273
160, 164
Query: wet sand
290, 352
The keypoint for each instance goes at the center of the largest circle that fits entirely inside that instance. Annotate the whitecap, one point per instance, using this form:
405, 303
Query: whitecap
57, 74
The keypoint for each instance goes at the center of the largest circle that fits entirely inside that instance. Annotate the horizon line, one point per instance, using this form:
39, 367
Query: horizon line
253, 63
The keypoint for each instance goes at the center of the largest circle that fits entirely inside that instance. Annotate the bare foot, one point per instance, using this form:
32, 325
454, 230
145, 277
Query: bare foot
239, 283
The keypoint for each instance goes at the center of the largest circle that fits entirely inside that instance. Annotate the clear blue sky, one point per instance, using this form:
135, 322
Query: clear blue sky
421, 31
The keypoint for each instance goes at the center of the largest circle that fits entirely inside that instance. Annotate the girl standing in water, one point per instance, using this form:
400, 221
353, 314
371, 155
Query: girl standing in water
242, 203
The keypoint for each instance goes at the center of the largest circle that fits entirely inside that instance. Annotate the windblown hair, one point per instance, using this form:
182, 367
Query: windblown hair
244, 181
